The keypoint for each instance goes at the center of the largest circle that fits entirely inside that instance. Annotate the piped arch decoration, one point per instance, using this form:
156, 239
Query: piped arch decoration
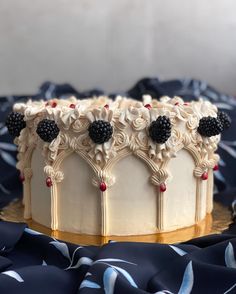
130, 121
158, 175
202, 165
25, 153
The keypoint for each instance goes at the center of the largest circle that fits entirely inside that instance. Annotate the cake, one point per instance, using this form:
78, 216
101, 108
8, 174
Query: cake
117, 167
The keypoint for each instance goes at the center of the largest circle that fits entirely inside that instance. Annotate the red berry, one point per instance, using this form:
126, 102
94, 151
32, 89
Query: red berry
148, 106
54, 104
22, 177
103, 186
72, 105
216, 167
204, 176
177, 103
106, 106
162, 187
186, 103
49, 182
47, 104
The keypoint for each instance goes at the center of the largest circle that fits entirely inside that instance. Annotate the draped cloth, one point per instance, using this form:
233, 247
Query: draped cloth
31, 262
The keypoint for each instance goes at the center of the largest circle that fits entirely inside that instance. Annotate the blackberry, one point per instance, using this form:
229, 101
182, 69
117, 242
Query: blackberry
47, 130
224, 119
100, 131
160, 129
15, 123
209, 126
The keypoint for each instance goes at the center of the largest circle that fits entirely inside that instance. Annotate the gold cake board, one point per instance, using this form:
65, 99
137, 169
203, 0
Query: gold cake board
214, 223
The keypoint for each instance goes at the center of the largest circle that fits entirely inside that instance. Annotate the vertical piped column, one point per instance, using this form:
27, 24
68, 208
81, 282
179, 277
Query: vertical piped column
54, 207
160, 209
54, 177
201, 174
28, 173
158, 179
210, 184
104, 213
103, 181
198, 200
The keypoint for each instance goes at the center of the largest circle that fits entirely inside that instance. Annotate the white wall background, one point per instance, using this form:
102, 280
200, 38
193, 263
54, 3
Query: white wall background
112, 43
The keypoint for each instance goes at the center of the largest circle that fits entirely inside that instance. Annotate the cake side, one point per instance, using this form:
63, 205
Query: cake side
133, 182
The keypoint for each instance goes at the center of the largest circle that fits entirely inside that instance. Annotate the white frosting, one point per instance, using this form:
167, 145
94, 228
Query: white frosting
180, 196
79, 201
136, 208
40, 194
132, 166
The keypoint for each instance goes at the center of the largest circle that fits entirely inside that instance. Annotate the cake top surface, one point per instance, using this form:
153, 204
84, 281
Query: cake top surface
74, 107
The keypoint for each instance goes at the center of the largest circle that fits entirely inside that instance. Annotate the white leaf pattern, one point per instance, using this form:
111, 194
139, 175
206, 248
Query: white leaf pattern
89, 284
8, 158
62, 247
219, 176
8, 146
32, 232
187, 282
223, 106
230, 289
126, 275
13, 275
109, 279
81, 261
163, 292
113, 260
3, 249
4, 190
3, 131
229, 256
178, 250
228, 149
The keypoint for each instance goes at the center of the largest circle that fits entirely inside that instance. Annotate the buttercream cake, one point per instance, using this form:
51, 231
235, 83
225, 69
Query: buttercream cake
117, 167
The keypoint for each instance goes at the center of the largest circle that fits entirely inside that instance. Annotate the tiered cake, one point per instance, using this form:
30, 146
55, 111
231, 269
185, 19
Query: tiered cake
122, 167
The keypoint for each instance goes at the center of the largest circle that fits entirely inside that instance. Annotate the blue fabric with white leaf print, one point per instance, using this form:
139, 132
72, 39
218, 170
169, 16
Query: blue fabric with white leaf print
31, 262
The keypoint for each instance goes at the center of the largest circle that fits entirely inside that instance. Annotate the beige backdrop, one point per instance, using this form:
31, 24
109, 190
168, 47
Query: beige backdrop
112, 43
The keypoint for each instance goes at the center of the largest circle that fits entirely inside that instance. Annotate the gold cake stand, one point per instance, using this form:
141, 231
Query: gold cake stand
214, 223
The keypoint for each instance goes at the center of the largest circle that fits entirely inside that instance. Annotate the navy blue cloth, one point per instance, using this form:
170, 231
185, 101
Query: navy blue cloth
31, 262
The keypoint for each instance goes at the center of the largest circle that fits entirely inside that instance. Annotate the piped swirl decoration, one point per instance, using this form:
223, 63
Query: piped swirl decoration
102, 128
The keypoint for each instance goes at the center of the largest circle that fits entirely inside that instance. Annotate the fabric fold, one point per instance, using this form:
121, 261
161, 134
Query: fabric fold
36, 263
10, 233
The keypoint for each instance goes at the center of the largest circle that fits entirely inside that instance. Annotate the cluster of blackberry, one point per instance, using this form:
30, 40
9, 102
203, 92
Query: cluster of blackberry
160, 129
212, 126
47, 130
100, 131
15, 123
224, 119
